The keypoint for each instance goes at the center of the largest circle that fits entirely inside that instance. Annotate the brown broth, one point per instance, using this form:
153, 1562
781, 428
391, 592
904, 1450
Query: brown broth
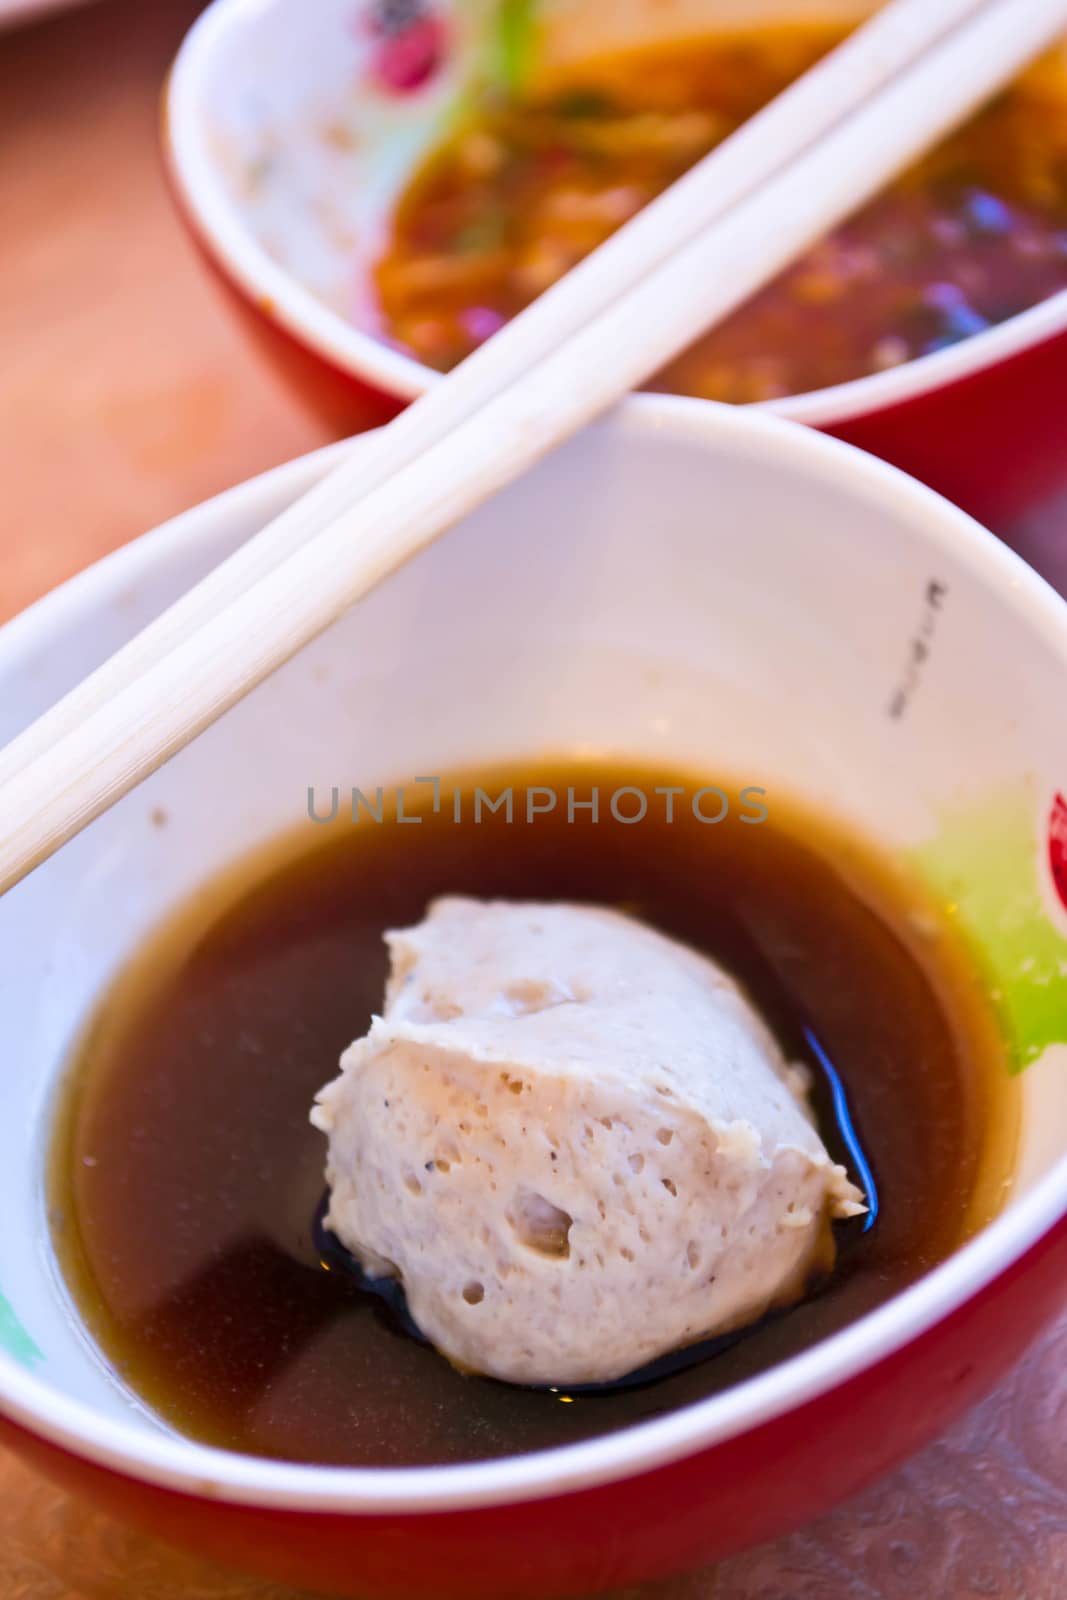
185, 1174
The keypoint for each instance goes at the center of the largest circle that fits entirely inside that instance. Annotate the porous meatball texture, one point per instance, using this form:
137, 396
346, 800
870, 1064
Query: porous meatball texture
575, 1142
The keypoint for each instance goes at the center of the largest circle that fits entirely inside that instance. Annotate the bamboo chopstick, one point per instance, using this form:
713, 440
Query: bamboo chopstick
867, 60
183, 687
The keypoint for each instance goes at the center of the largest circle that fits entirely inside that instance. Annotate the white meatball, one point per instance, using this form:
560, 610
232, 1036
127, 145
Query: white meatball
575, 1143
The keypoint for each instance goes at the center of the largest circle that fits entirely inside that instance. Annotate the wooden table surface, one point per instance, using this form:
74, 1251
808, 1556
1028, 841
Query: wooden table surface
128, 393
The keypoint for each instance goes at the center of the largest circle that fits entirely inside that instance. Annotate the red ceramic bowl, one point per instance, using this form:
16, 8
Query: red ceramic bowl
287, 140
767, 648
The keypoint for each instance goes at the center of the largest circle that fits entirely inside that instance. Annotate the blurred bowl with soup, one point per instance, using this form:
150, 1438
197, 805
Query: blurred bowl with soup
387, 181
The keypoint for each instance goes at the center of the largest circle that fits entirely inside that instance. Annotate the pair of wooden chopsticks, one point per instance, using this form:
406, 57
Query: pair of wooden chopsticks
809, 159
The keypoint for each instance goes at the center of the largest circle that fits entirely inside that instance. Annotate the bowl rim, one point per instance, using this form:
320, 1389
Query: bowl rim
282, 299
184, 1465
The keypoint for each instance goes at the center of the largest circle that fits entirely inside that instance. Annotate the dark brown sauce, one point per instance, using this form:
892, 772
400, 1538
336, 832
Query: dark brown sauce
185, 1175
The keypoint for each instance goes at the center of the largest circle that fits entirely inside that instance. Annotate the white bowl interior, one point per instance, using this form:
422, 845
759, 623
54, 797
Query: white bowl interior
289, 155
683, 585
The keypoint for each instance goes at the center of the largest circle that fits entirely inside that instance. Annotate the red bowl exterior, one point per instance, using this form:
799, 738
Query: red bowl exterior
747, 1489
994, 442
346, 404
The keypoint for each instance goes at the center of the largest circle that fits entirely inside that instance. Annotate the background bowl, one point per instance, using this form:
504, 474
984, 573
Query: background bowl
288, 141
770, 630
